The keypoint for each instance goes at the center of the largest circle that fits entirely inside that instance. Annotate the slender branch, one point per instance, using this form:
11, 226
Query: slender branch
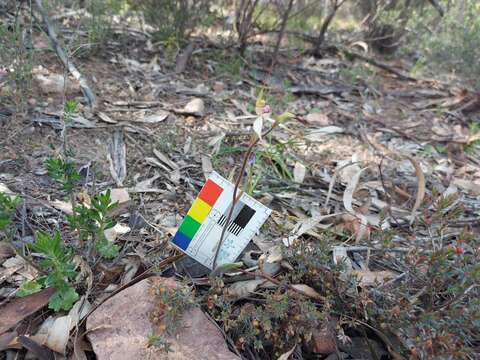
325, 25
281, 32
378, 64
87, 92
437, 6
252, 144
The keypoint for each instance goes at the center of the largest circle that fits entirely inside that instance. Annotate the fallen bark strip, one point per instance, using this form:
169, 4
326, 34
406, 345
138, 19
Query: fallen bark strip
378, 64
52, 35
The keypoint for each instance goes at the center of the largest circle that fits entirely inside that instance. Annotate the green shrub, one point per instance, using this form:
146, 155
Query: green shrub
174, 18
8, 206
17, 58
454, 44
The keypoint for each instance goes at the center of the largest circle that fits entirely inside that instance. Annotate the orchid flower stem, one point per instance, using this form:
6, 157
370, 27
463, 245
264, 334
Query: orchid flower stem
238, 181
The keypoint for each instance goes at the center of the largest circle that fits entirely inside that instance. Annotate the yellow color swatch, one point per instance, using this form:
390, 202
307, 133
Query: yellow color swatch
199, 210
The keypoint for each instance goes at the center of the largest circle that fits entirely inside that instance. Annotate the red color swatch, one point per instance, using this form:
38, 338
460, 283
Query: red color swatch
210, 192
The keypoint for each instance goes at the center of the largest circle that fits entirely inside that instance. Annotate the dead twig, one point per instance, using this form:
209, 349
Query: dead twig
378, 64
326, 23
52, 35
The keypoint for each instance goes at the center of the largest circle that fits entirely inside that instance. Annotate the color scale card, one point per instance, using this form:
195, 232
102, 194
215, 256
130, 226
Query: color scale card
200, 230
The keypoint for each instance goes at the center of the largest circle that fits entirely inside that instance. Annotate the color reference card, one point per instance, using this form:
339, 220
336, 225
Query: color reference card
200, 231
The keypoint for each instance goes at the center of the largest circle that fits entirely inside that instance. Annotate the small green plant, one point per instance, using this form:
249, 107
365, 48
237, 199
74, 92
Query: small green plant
171, 48
92, 221
170, 304
64, 171
450, 42
99, 23
17, 57
8, 206
57, 270
231, 65
282, 319
474, 144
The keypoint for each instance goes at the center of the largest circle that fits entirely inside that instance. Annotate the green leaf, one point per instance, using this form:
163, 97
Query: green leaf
70, 106
284, 117
8, 206
107, 249
63, 298
28, 288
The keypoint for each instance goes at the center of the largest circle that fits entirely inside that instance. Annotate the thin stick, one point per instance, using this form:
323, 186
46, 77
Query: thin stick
378, 64
87, 92
253, 142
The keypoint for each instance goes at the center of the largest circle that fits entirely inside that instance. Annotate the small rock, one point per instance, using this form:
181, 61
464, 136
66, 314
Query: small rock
218, 87
119, 195
299, 172
120, 328
317, 118
323, 339
195, 107
54, 83
361, 348
190, 121
112, 233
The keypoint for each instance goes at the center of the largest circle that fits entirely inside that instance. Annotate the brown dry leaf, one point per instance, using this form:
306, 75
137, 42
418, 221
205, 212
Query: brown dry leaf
112, 233
63, 206
243, 289
368, 278
362, 231
274, 254
38, 351
117, 152
132, 264
146, 186
6, 273
165, 159
159, 116
6, 251
19, 308
420, 186
286, 355
299, 172
79, 348
55, 331
418, 172
119, 195
21, 267
5, 190
7, 340
207, 166
104, 117
308, 291
353, 225
319, 119
306, 225
319, 134
467, 185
